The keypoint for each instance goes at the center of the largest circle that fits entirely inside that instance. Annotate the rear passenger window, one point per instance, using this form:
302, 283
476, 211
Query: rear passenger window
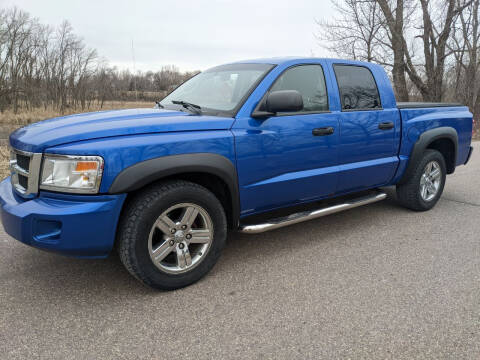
358, 90
309, 81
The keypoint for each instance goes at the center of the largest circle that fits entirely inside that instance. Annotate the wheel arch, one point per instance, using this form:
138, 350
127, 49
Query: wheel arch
214, 172
442, 139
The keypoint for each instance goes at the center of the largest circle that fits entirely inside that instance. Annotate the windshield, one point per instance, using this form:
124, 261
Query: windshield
220, 89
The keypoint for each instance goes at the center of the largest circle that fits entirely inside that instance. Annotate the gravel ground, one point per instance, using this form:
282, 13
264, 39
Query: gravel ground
373, 282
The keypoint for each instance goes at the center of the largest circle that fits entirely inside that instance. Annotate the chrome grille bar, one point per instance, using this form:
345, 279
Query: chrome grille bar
22, 176
15, 168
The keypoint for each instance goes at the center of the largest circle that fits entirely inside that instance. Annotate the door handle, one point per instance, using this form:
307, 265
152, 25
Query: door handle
323, 131
386, 125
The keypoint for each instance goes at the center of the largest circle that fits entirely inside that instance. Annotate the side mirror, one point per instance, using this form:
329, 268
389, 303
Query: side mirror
281, 101
284, 101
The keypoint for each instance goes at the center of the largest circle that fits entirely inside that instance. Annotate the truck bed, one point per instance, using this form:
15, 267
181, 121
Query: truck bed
420, 117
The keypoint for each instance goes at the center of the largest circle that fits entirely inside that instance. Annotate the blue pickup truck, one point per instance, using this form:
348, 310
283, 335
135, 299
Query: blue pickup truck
249, 146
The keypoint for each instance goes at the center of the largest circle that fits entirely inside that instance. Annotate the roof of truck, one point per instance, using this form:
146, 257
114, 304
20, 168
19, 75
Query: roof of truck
272, 60
293, 59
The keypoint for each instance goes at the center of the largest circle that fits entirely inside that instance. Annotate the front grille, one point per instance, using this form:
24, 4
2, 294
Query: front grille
25, 169
23, 181
23, 162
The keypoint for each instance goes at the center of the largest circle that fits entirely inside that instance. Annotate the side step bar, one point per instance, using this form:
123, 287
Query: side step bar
309, 215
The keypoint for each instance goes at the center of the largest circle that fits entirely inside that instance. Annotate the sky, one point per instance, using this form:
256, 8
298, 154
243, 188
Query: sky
193, 35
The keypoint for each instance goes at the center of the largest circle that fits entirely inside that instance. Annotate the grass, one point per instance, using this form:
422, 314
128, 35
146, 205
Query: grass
9, 121
4, 156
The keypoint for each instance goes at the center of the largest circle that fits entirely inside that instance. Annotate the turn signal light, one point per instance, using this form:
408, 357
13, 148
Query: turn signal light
85, 166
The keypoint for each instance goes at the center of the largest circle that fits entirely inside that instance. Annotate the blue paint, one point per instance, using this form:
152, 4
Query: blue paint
40, 136
279, 162
78, 226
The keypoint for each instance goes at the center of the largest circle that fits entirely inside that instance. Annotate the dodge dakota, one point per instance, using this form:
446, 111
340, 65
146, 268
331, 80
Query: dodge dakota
249, 146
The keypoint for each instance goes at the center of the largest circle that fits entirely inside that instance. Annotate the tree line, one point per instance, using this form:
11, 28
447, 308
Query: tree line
41, 66
430, 47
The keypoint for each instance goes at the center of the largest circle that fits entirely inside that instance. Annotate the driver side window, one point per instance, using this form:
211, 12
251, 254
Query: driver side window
309, 81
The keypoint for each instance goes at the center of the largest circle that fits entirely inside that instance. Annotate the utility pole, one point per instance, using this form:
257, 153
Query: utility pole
134, 73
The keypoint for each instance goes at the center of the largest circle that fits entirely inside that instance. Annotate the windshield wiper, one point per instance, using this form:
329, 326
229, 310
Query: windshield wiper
158, 105
194, 107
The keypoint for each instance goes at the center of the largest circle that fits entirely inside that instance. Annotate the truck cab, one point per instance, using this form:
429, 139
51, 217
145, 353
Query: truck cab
231, 148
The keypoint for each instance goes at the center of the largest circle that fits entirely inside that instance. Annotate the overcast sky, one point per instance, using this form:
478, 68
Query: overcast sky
190, 34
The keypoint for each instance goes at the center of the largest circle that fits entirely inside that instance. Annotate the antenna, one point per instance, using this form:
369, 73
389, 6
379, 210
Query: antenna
134, 73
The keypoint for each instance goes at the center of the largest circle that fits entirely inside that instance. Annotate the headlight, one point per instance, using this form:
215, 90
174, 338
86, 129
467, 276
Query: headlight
76, 174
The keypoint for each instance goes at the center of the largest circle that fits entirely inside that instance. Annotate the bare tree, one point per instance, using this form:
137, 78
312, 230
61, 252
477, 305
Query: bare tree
411, 38
394, 13
370, 30
434, 36
464, 44
42, 66
359, 41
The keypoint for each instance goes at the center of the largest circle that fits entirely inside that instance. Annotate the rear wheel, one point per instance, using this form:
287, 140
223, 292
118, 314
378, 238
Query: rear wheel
171, 234
423, 189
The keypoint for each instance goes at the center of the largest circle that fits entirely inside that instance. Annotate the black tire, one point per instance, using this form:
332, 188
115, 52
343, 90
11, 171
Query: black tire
408, 193
138, 219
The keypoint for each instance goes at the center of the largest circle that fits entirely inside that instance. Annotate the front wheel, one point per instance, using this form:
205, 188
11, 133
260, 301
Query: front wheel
171, 234
424, 188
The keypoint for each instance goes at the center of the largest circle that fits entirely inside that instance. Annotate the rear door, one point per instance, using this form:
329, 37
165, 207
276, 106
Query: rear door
367, 153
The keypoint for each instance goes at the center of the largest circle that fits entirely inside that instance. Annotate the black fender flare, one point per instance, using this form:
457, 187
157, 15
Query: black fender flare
145, 172
425, 139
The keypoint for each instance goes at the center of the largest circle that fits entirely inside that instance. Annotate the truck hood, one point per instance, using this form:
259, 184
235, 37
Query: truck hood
44, 134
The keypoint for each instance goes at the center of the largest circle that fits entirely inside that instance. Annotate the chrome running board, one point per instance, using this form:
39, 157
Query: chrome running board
309, 215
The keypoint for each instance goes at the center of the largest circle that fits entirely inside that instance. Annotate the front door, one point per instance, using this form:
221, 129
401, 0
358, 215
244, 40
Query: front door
289, 158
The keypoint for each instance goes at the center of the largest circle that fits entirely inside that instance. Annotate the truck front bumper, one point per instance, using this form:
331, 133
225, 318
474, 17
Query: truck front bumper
75, 225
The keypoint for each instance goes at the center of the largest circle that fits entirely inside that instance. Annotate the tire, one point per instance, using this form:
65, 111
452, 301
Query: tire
142, 234
409, 194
